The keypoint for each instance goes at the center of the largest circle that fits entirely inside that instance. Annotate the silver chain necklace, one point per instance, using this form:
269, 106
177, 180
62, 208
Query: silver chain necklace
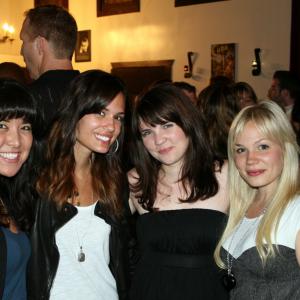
81, 256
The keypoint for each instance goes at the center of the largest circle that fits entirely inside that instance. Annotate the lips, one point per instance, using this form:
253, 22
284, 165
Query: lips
103, 138
10, 156
254, 173
165, 150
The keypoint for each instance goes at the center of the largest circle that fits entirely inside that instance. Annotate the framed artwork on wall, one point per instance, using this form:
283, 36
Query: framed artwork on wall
83, 46
190, 2
63, 3
223, 60
115, 7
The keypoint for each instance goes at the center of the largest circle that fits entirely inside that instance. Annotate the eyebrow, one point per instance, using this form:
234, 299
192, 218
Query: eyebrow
256, 142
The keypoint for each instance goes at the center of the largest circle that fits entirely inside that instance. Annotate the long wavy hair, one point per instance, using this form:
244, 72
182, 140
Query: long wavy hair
89, 93
219, 106
166, 103
17, 193
272, 122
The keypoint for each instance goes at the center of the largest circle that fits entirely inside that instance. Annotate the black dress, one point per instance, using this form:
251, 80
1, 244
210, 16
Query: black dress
177, 256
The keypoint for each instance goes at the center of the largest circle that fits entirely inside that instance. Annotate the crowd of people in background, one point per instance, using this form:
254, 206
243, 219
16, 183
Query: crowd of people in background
176, 194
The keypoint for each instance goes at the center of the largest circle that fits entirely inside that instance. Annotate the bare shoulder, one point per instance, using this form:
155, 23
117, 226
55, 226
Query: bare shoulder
222, 174
222, 195
220, 201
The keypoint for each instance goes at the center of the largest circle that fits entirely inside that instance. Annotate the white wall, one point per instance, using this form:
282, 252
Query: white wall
161, 31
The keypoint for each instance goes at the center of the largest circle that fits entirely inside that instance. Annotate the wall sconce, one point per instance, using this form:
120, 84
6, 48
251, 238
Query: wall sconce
256, 64
8, 31
188, 69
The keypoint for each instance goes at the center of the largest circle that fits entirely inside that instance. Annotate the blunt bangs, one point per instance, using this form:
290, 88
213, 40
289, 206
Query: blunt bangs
158, 107
93, 90
16, 102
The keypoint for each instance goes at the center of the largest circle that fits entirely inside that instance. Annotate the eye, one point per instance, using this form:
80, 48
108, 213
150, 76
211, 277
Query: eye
263, 147
240, 150
145, 133
26, 127
167, 125
119, 118
102, 113
3, 125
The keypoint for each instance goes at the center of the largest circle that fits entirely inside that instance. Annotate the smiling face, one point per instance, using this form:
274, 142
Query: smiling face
258, 159
97, 132
165, 142
15, 144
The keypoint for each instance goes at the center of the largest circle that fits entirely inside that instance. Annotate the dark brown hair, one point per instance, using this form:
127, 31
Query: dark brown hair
90, 92
56, 25
219, 107
166, 103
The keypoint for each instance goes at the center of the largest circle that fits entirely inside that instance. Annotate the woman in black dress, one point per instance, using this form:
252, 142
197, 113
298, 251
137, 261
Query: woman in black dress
180, 198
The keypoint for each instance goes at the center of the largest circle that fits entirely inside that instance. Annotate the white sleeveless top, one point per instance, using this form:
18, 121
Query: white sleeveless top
90, 279
243, 237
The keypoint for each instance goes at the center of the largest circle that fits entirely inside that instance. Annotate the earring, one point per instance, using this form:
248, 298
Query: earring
117, 147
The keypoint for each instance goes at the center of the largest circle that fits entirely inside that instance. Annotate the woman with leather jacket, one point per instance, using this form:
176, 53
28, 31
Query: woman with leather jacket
79, 238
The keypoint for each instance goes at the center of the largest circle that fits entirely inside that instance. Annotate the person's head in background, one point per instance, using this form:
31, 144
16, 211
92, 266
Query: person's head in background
188, 89
219, 106
284, 89
11, 70
49, 36
245, 94
19, 135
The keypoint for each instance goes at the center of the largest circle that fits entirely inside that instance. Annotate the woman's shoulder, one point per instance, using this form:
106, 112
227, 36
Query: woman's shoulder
294, 206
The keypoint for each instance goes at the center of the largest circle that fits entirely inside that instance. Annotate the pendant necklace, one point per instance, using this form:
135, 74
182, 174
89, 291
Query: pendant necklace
229, 280
81, 254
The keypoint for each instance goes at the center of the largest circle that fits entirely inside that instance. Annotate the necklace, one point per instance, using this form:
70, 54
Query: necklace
81, 254
229, 280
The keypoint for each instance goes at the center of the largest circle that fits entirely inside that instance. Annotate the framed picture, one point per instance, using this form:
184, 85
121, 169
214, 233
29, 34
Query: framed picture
190, 2
83, 46
223, 60
63, 3
114, 7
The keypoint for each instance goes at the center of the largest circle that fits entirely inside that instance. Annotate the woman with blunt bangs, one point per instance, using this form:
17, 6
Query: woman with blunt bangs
19, 131
260, 247
181, 200
79, 238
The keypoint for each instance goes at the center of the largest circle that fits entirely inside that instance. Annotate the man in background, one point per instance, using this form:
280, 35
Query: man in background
284, 90
188, 89
48, 37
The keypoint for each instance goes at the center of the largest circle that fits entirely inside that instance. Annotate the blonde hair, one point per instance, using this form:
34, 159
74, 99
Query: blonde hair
272, 122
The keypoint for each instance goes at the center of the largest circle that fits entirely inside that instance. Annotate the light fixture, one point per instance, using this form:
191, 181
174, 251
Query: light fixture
8, 32
188, 69
256, 64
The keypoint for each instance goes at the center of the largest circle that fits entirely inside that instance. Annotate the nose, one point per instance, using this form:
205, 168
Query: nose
13, 138
109, 123
251, 157
159, 138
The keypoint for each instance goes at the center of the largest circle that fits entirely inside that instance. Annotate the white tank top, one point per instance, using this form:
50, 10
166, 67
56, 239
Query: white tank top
89, 279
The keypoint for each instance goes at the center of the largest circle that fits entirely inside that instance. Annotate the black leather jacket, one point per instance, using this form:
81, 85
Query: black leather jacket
45, 256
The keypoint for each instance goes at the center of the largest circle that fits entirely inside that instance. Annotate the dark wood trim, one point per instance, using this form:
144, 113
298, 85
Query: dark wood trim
143, 63
63, 3
105, 8
191, 2
138, 75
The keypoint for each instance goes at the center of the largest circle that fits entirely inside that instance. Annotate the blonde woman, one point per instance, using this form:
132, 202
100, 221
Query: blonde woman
260, 247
